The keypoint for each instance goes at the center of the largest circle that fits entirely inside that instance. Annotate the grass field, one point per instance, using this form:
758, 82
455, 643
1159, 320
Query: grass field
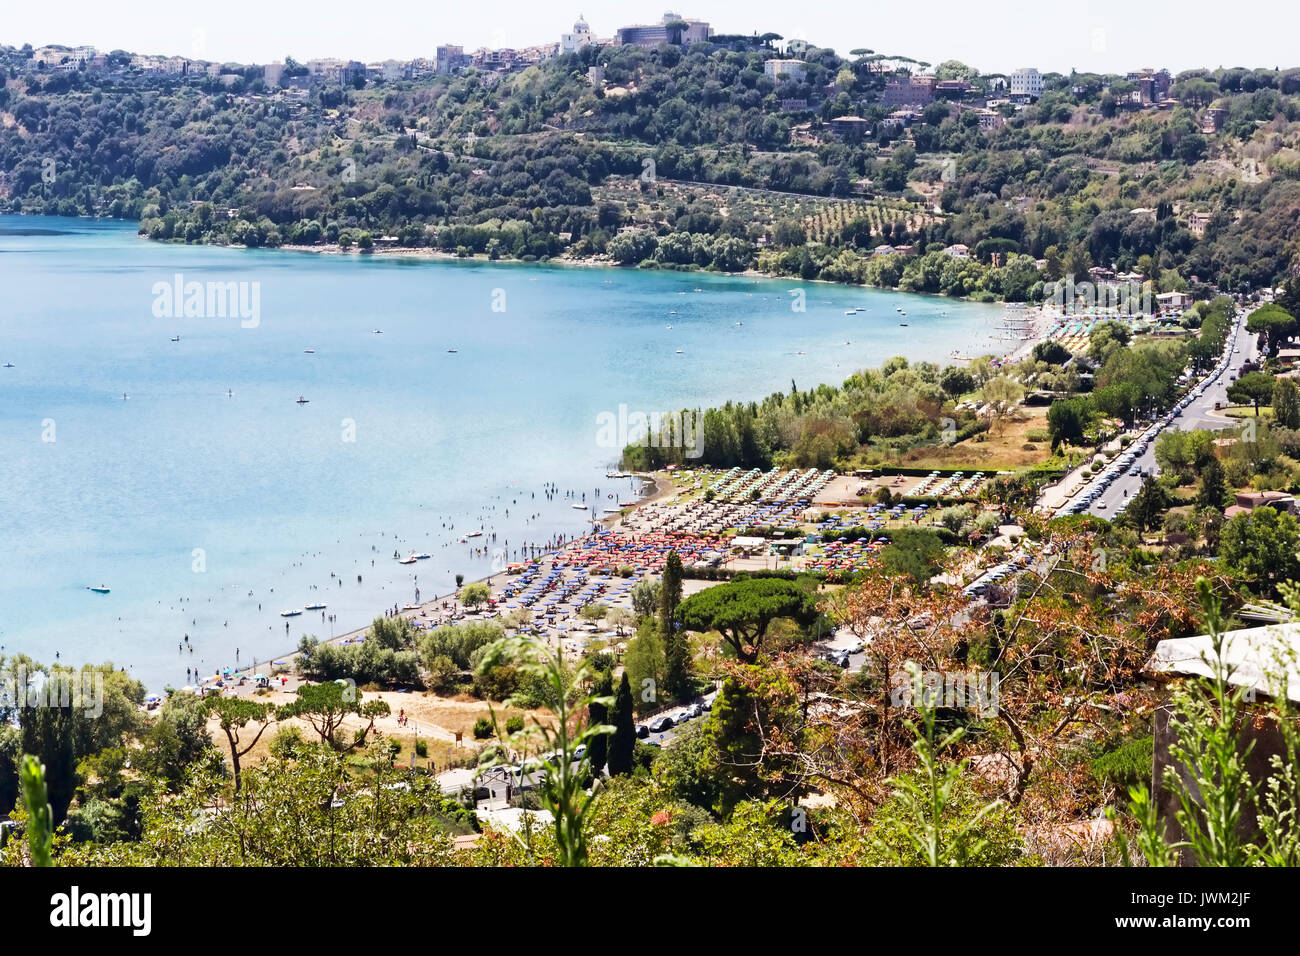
1002, 448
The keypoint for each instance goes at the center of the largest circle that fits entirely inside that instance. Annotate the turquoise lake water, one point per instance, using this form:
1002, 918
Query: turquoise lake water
209, 481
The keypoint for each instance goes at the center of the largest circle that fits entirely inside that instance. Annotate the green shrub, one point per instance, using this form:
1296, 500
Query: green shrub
422, 748
482, 728
514, 724
1038, 434
287, 743
526, 800
1127, 765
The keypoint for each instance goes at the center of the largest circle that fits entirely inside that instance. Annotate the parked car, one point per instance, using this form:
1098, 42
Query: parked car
642, 731
660, 724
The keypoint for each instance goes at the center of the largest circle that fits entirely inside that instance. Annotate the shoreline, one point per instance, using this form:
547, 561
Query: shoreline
588, 262
1018, 353
650, 480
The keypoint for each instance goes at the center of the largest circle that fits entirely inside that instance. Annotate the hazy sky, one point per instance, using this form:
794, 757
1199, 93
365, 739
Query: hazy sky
1090, 35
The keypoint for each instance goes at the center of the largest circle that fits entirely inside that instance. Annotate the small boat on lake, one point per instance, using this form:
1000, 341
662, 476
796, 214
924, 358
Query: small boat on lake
579, 507
98, 590
292, 612
303, 401
314, 607
309, 351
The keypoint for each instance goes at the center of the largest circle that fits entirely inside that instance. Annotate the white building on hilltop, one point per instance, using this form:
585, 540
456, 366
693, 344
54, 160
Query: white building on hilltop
579, 38
1026, 81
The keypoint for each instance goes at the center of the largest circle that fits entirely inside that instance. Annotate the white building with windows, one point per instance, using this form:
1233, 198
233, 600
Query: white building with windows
579, 38
785, 69
1026, 81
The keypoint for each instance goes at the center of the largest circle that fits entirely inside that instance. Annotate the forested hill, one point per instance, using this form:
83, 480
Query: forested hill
687, 158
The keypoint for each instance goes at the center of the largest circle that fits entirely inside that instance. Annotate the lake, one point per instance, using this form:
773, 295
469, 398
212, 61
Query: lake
187, 477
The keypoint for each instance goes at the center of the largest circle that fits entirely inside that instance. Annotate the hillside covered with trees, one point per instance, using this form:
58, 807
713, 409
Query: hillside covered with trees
686, 157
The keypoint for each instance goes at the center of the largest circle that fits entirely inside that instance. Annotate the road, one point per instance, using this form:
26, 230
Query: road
1199, 415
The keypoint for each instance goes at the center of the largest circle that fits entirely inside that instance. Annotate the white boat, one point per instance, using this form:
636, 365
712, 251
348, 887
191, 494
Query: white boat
473, 534
314, 607
423, 556
409, 559
98, 590
377, 331
309, 351
292, 612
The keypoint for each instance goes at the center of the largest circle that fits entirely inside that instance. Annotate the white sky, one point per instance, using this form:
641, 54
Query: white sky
1088, 35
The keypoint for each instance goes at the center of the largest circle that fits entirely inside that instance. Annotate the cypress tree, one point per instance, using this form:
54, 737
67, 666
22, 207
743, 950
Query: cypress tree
598, 713
624, 737
676, 679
